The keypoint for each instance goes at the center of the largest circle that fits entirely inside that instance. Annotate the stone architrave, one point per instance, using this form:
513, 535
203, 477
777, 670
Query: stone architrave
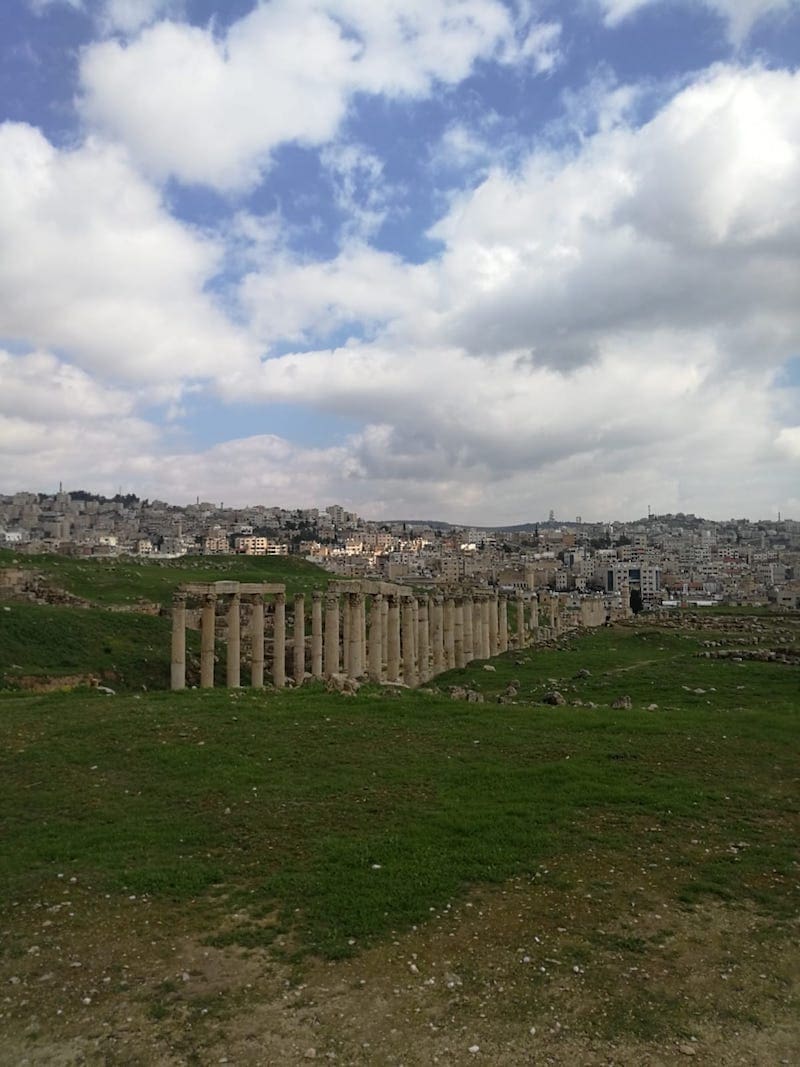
234, 650
437, 634
316, 634
178, 657
458, 632
279, 642
299, 639
502, 624
494, 645
467, 611
331, 635
520, 620
393, 640
409, 662
449, 634
423, 642
207, 634
257, 642
376, 639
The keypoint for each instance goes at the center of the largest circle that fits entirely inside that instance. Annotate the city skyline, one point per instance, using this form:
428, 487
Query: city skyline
449, 258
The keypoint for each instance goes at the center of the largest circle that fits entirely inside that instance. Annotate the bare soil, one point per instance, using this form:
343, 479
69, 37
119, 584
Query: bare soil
561, 968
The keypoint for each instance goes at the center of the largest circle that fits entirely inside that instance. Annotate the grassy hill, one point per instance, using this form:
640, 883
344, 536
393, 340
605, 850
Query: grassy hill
125, 580
40, 644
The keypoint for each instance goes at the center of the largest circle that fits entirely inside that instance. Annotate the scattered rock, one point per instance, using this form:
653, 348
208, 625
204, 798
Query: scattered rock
341, 683
583, 673
489, 667
623, 703
554, 697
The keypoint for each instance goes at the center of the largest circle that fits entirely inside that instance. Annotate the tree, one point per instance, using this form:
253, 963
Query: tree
636, 601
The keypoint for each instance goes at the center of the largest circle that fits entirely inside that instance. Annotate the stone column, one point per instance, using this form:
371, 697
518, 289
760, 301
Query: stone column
316, 634
449, 635
178, 660
279, 642
299, 639
437, 635
393, 640
347, 629
415, 632
356, 640
376, 639
486, 647
234, 650
535, 617
458, 632
362, 629
207, 625
423, 641
257, 641
494, 646
409, 663
477, 628
331, 635
469, 654
520, 620
502, 624
385, 630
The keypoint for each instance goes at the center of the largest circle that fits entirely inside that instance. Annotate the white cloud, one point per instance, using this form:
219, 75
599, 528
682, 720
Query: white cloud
693, 219
740, 15
297, 301
618, 309
211, 110
38, 386
361, 191
117, 16
94, 266
57, 421
128, 16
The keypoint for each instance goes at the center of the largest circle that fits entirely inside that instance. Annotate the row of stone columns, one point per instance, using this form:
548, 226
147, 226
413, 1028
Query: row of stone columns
388, 637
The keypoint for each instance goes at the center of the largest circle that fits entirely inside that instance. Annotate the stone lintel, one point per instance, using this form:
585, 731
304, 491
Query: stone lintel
367, 587
223, 588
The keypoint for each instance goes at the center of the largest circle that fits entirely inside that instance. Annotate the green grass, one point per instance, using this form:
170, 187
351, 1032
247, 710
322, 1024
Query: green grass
125, 580
124, 650
354, 817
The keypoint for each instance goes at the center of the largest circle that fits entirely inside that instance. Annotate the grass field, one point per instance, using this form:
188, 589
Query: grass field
125, 580
304, 824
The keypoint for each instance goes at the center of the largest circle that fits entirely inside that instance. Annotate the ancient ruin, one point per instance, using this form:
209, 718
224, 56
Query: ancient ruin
356, 629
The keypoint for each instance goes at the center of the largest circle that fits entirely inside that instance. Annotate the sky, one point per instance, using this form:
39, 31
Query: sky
467, 260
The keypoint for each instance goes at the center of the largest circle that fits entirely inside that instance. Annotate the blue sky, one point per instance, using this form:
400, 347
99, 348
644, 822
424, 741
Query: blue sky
473, 259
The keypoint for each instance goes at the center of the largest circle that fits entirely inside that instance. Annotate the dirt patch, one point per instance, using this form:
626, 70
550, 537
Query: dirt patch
555, 968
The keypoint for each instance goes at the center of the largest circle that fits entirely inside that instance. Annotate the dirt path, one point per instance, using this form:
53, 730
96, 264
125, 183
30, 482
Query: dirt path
561, 968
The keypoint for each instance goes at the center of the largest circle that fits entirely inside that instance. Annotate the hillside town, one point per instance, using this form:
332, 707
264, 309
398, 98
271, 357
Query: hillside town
656, 562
